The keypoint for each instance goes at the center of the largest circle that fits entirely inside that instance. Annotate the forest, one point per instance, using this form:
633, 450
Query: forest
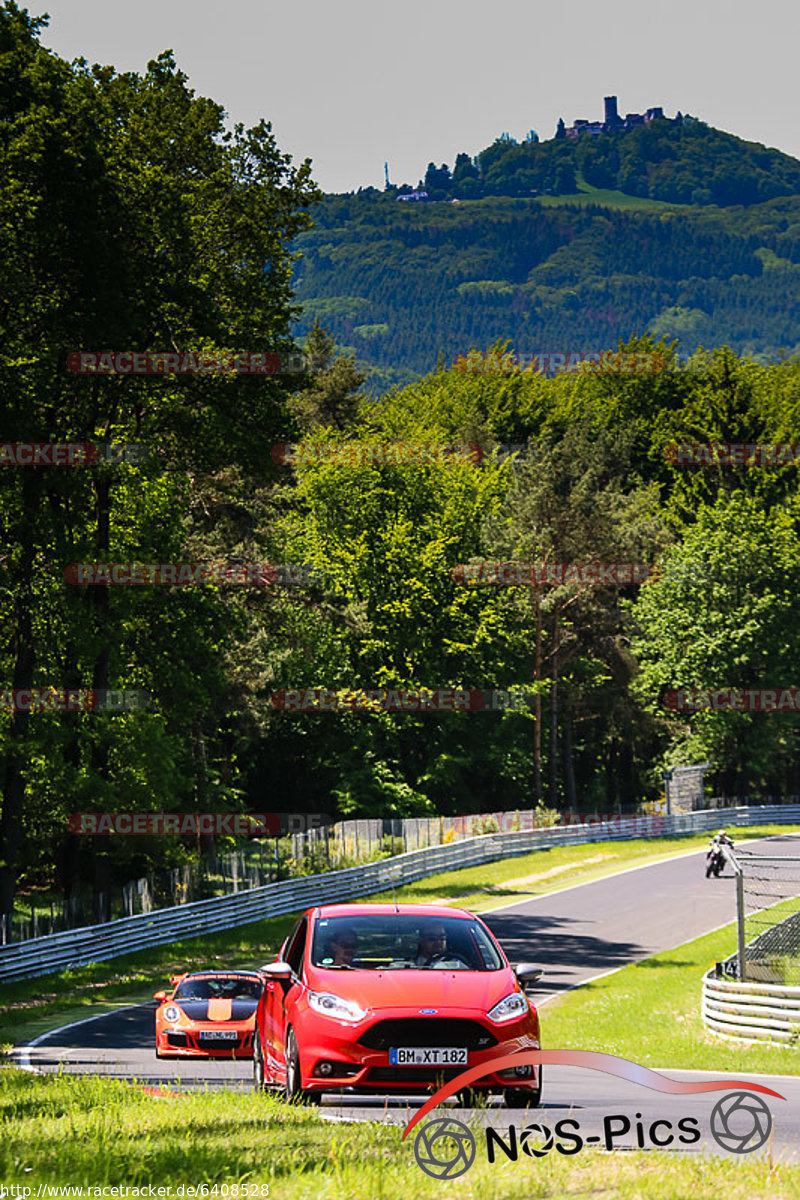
404, 286
134, 221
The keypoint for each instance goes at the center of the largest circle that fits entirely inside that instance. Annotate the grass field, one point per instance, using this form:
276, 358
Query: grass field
32, 1006
609, 198
88, 1132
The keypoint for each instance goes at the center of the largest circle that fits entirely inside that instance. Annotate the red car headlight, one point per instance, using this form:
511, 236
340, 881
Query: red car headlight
334, 1006
172, 1013
511, 1008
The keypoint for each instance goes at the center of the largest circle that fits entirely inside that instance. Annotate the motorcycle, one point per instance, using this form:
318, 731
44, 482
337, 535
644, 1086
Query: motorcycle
715, 861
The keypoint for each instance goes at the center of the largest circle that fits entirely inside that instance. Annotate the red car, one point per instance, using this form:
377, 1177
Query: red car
208, 1013
392, 998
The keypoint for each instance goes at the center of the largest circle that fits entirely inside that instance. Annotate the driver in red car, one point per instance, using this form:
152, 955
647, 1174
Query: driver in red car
432, 948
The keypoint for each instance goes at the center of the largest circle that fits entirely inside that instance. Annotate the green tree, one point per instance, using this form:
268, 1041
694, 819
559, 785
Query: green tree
723, 614
130, 218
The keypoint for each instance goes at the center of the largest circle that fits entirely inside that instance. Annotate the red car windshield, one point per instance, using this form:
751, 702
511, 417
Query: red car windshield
402, 941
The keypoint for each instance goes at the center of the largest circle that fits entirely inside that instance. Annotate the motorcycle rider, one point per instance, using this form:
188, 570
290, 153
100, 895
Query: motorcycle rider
717, 852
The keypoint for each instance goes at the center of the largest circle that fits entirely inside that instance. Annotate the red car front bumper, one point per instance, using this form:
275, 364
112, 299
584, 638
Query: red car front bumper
335, 1054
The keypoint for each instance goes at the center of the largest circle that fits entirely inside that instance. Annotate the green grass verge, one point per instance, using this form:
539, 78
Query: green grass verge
94, 1133
650, 1013
32, 1006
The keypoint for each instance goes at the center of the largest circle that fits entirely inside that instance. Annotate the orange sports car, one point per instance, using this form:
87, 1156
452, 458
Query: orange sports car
208, 1014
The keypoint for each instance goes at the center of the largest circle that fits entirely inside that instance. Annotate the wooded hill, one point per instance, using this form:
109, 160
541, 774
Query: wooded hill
400, 285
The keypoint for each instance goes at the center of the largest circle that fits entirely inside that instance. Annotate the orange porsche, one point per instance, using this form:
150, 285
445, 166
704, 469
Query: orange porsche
208, 1014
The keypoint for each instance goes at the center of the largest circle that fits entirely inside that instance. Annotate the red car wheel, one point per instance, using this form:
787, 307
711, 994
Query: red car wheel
293, 1090
524, 1097
259, 1068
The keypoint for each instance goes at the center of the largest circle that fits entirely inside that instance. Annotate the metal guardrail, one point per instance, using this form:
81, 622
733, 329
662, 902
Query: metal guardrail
97, 943
751, 1012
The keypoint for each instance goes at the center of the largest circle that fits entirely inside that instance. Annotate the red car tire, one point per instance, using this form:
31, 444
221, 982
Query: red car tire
524, 1097
293, 1089
259, 1067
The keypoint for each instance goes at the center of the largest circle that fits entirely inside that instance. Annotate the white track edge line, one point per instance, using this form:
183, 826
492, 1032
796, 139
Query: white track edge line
24, 1050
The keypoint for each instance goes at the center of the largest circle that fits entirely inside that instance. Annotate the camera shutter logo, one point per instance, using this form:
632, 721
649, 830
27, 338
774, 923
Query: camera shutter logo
741, 1122
444, 1148
536, 1140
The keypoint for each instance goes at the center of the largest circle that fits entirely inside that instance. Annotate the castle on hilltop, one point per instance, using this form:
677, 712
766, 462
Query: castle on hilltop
613, 121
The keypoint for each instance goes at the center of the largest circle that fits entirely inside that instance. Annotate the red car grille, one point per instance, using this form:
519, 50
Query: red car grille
428, 1031
418, 1075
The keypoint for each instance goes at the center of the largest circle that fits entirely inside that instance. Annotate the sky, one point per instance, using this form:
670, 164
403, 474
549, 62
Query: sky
357, 83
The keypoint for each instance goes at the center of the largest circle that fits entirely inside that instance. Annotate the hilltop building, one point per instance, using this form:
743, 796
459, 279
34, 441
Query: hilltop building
612, 122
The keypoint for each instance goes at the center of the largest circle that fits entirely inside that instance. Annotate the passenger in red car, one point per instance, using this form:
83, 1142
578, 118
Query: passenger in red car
342, 948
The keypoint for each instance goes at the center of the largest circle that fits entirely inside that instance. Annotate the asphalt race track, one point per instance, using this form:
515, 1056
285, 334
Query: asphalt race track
575, 934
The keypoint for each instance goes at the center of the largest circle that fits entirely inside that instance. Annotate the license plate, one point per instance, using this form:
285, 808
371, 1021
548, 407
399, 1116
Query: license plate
427, 1056
219, 1035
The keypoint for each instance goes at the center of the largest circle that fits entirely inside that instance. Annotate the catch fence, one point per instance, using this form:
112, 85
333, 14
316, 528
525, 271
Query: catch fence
768, 912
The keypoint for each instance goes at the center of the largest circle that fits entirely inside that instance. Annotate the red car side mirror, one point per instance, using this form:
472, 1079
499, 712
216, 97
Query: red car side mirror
277, 970
160, 996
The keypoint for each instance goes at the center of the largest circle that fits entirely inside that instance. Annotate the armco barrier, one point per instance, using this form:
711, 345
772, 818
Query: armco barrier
96, 943
751, 1011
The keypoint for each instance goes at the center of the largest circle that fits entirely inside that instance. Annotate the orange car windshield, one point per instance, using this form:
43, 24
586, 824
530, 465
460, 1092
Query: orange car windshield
219, 989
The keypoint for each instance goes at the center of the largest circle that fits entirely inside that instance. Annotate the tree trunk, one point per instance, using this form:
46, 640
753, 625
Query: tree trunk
554, 713
537, 722
22, 679
569, 765
99, 602
206, 843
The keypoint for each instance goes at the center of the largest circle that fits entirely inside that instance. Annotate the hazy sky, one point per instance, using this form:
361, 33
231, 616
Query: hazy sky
357, 82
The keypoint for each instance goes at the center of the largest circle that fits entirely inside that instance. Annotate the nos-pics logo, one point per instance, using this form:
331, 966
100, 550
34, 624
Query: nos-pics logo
445, 1148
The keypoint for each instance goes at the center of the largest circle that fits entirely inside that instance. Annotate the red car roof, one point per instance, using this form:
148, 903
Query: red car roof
413, 910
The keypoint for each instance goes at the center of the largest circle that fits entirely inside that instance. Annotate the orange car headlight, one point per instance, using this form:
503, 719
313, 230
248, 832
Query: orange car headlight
172, 1013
